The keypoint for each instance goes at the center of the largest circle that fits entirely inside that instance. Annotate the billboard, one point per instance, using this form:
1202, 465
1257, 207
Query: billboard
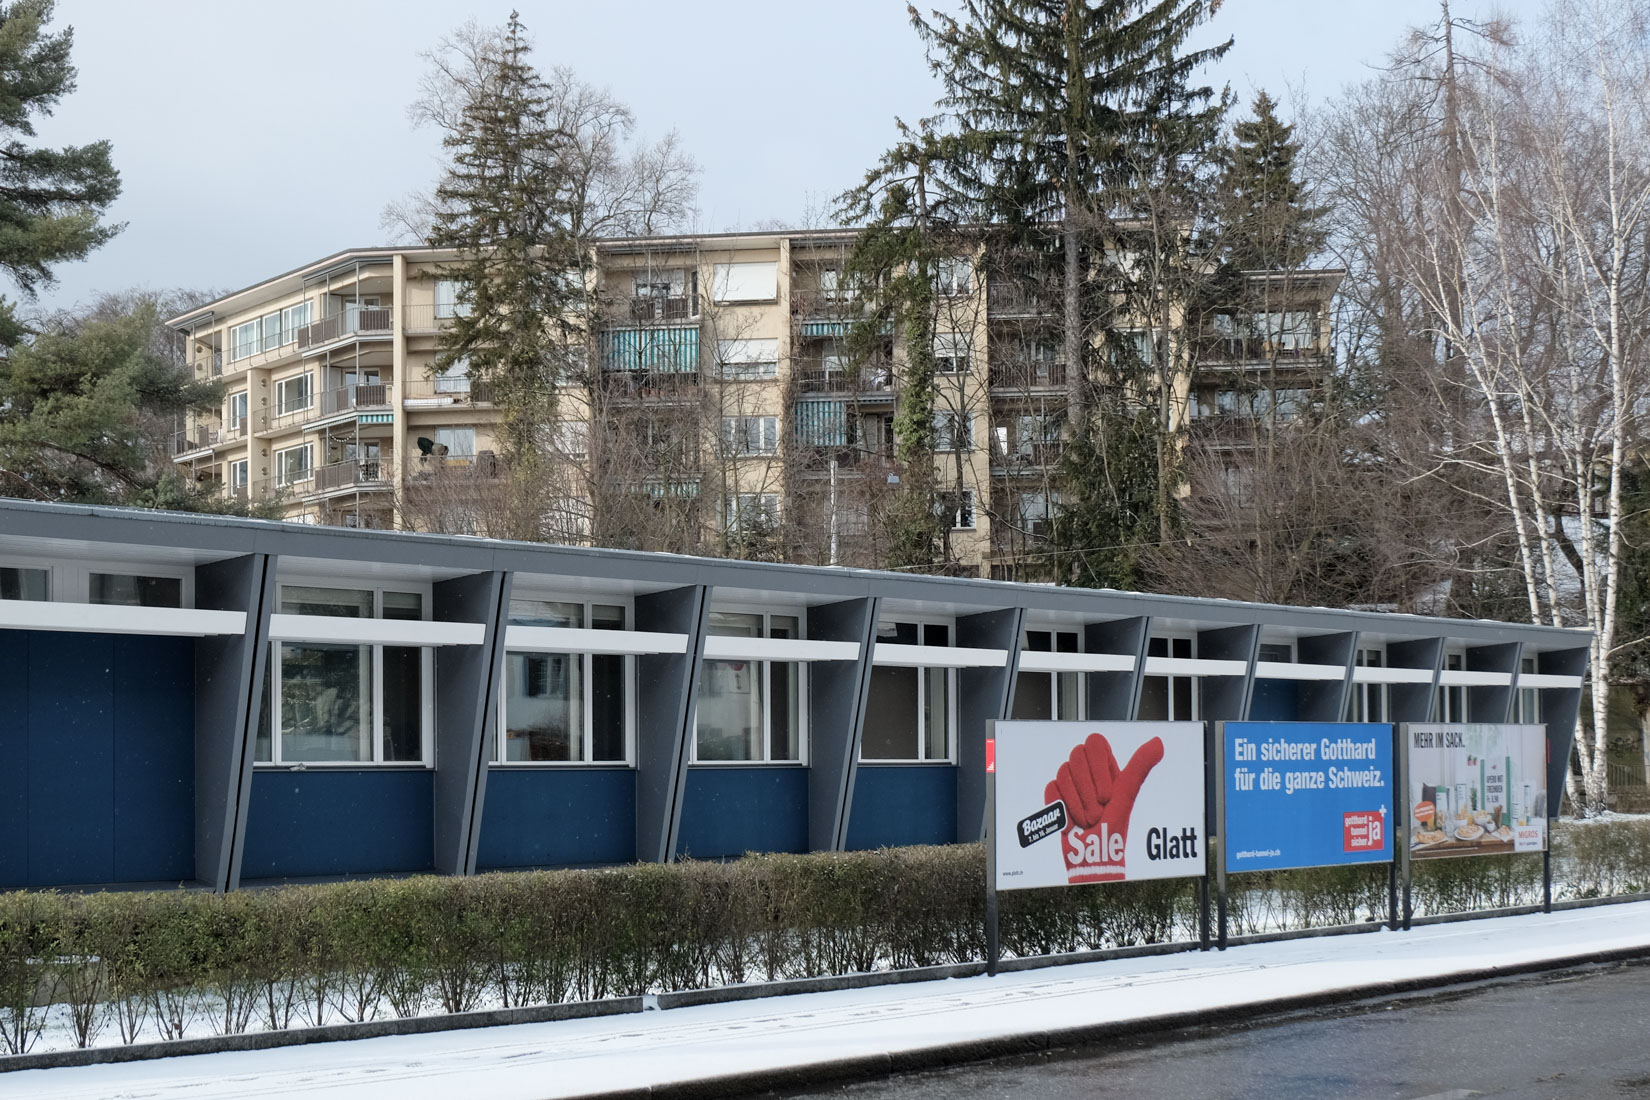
1079, 802
1306, 794
1476, 789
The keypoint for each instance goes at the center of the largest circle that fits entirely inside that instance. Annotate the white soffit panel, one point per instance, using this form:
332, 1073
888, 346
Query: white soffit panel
723, 648
937, 656
568, 639
1041, 661
342, 630
88, 618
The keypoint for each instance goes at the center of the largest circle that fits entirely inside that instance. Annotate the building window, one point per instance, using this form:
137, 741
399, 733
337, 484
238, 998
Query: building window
908, 714
750, 513
572, 438
747, 359
447, 303
126, 590
347, 704
1368, 701
1452, 698
237, 411
245, 340
455, 443
239, 472
565, 708
1527, 703
294, 318
1282, 653
18, 583
953, 277
1168, 698
1054, 696
1286, 331
294, 465
750, 711
833, 287
956, 509
454, 377
951, 352
745, 282
294, 394
953, 432
750, 435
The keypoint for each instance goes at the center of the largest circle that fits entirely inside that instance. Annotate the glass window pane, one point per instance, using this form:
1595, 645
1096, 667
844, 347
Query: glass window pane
263, 741
1068, 695
1067, 641
326, 702
25, 584
605, 617
543, 707
898, 634
1182, 698
346, 602
546, 613
1154, 699
1039, 641
403, 605
1032, 696
1157, 647
128, 591
734, 624
1182, 647
891, 715
936, 714
730, 711
784, 710
607, 707
403, 699
784, 626
936, 634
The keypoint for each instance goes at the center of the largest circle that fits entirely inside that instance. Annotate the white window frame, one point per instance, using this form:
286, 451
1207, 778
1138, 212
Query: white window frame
738, 509
586, 674
448, 302
426, 681
281, 478
922, 691
245, 465
1527, 701
1170, 637
452, 455
1452, 705
953, 352
70, 581
954, 277
737, 436
246, 339
946, 438
1358, 700
803, 742
1054, 631
283, 405
295, 317
237, 409
953, 516
747, 359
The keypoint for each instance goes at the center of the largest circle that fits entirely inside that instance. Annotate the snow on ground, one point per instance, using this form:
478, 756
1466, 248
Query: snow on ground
575, 1057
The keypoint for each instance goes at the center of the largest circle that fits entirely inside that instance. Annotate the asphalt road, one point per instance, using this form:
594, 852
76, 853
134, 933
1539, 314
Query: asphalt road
1575, 1034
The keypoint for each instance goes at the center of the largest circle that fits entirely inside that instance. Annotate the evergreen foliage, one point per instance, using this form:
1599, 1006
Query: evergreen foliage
503, 207
1269, 225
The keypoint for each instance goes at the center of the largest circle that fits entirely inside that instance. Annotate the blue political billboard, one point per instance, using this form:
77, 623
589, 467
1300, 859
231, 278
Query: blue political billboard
1306, 794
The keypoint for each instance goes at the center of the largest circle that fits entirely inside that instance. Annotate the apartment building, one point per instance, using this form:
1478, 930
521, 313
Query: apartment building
723, 407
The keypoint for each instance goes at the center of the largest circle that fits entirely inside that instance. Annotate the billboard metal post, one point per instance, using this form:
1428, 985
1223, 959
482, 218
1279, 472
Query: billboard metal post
1217, 842
1547, 811
1401, 814
1212, 782
993, 943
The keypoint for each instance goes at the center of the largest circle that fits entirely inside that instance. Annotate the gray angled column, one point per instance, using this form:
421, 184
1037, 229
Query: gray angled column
1226, 698
1325, 700
983, 694
666, 687
1560, 708
1115, 696
466, 712
229, 680
837, 691
1492, 703
1414, 702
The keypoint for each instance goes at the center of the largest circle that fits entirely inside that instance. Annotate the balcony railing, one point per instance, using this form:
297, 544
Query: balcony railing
353, 473
365, 321
1026, 455
649, 309
815, 459
362, 395
867, 380
1021, 376
623, 384
206, 435
1215, 349
1021, 299
455, 391
429, 317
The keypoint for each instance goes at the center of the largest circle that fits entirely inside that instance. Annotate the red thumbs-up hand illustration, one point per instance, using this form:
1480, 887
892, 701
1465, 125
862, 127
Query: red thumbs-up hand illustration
1099, 799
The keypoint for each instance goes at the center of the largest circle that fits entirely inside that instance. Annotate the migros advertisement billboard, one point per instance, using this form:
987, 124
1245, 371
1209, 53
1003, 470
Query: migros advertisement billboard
1080, 802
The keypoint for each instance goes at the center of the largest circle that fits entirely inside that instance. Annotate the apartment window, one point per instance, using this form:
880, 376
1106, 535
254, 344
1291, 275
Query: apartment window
294, 318
908, 714
953, 276
127, 590
572, 439
236, 415
1527, 703
1282, 653
455, 443
956, 508
953, 432
745, 282
348, 704
951, 352
19, 583
751, 711
833, 287
743, 359
294, 464
1452, 698
1140, 345
750, 513
750, 435
239, 476
447, 303
1368, 701
1168, 698
294, 394
245, 340
1036, 508
1036, 431
454, 377
1054, 696
1289, 330
565, 708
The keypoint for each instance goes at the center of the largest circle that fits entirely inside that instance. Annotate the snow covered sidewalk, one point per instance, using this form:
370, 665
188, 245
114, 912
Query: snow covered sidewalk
865, 1031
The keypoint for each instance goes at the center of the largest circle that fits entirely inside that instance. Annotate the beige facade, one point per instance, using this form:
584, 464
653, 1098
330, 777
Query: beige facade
721, 399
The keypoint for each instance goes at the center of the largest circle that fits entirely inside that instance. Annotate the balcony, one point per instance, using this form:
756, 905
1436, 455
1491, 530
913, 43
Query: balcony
429, 317
669, 385
1017, 298
353, 322
362, 395
815, 461
1026, 457
654, 309
203, 437
875, 381
439, 391
1216, 350
1028, 377
350, 474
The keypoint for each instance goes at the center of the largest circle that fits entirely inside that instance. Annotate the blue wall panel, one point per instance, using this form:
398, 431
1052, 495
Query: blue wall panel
731, 811
154, 748
899, 804
71, 758
555, 817
1274, 701
14, 758
323, 822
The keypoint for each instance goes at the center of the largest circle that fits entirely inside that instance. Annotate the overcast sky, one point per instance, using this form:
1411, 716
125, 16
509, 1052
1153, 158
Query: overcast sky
252, 138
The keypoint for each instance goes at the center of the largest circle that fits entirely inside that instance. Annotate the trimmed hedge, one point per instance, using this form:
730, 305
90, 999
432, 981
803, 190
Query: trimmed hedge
165, 963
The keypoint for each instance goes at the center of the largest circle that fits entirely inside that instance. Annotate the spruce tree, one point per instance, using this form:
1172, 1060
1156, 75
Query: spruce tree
503, 208
51, 200
1269, 226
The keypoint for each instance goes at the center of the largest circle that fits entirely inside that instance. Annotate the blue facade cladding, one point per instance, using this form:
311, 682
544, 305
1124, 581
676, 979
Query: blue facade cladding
339, 822
903, 804
97, 768
1275, 701
548, 817
731, 811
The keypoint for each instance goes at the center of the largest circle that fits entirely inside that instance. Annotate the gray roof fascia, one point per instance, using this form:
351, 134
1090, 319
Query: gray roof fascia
235, 535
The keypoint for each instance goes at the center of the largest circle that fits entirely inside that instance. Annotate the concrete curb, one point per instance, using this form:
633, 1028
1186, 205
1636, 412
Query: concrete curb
884, 1064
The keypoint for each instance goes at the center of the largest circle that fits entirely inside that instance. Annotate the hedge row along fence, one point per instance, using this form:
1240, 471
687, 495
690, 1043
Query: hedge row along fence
163, 964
